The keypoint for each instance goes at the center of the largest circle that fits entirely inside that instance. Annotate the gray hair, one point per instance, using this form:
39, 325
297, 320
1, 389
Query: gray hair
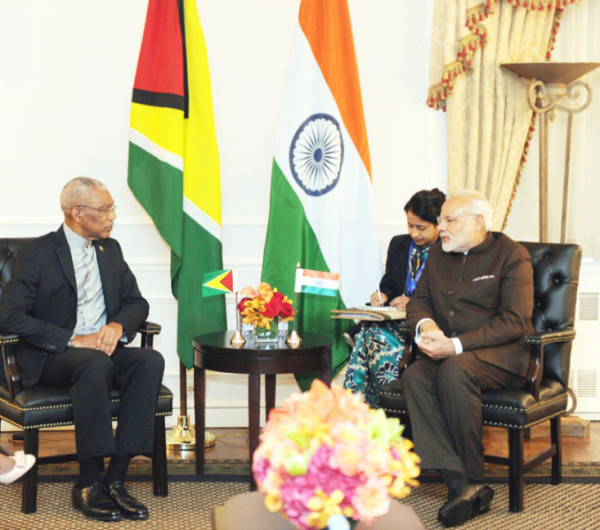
76, 191
478, 205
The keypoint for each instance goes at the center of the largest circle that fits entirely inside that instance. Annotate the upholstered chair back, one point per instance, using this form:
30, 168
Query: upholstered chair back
9, 249
556, 277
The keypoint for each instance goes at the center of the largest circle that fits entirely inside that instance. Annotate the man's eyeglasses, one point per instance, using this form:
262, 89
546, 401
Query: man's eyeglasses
105, 211
450, 220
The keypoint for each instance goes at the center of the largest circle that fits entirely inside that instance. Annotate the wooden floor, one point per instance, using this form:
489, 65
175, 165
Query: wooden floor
232, 443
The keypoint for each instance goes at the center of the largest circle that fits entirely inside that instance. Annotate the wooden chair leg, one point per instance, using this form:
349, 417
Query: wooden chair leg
407, 433
555, 440
515, 470
29, 491
159, 459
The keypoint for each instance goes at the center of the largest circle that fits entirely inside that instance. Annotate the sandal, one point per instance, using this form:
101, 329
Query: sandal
23, 463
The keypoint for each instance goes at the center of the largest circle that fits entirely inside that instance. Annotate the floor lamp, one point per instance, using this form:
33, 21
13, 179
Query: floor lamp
552, 87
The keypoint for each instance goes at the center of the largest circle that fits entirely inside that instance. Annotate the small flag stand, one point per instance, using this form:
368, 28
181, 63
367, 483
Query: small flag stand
294, 340
238, 340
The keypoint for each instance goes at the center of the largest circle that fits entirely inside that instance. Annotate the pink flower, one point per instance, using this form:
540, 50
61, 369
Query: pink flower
325, 452
371, 500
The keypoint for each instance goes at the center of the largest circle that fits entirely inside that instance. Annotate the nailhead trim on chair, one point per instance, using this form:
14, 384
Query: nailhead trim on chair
52, 407
564, 335
404, 412
533, 407
59, 424
520, 427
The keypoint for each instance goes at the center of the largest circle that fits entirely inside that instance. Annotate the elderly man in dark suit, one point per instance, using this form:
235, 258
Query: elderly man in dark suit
75, 304
470, 314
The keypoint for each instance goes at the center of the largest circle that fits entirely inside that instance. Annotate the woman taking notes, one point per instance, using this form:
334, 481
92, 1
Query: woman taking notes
378, 345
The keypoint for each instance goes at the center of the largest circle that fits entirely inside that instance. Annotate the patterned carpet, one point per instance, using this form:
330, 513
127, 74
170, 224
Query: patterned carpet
238, 469
189, 506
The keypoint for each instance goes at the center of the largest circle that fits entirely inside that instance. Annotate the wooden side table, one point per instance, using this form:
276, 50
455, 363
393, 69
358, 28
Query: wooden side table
213, 351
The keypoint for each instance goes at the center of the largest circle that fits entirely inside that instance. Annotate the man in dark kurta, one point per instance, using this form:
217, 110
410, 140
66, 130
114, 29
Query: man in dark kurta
470, 314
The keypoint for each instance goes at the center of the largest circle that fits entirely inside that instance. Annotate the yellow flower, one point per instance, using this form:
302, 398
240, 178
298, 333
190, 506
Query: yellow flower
260, 306
273, 502
335, 434
323, 506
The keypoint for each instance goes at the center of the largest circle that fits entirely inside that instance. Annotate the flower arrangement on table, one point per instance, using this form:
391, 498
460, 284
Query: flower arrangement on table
326, 453
260, 306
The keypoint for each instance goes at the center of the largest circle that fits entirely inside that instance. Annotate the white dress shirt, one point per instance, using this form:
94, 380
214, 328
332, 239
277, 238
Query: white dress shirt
91, 309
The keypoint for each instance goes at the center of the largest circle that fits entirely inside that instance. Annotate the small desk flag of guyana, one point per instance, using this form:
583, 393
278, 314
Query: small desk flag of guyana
219, 282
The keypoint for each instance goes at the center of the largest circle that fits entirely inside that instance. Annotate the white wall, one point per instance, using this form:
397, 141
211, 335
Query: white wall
66, 75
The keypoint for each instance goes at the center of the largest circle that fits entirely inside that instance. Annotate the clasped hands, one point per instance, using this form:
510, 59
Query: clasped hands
434, 343
105, 339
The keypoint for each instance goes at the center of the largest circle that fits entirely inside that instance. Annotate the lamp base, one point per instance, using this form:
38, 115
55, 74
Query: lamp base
569, 426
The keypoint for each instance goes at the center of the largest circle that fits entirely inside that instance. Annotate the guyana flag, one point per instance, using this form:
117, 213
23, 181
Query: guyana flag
174, 162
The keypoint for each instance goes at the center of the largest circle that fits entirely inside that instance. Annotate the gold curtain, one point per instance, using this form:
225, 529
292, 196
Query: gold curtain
489, 123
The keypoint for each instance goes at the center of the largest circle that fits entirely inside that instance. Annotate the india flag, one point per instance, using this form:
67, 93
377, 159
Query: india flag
321, 212
174, 162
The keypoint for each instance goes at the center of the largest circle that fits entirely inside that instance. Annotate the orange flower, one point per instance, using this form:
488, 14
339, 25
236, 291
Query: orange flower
260, 306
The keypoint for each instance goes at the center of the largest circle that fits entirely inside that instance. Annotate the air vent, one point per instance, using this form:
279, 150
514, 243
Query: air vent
587, 384
588, 306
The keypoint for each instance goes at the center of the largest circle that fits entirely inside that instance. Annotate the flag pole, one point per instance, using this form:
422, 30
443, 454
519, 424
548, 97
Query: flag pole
183, 436
294, 340
238, 340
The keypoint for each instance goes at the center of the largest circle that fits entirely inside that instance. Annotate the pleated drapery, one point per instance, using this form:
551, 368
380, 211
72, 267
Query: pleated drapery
489, 123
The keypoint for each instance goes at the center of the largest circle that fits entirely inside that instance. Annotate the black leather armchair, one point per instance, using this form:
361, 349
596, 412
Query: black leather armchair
40, 407
545, 396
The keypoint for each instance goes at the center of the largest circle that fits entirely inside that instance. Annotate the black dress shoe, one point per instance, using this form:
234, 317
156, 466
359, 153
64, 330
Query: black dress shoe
129, 507
95, 503
473, 500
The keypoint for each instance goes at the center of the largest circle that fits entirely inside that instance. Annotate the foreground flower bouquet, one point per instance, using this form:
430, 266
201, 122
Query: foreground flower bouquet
327, 453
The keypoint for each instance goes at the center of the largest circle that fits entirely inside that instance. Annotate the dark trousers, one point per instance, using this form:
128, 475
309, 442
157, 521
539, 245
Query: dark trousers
91, 374
444, 405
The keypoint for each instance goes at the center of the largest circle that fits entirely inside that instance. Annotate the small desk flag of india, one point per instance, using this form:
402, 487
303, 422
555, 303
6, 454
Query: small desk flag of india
317, 282
219, 282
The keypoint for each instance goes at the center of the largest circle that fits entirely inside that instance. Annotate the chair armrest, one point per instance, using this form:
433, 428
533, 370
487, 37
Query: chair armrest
536, 342
148, 330
549, 337
8, 338
407, 354
9, 362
